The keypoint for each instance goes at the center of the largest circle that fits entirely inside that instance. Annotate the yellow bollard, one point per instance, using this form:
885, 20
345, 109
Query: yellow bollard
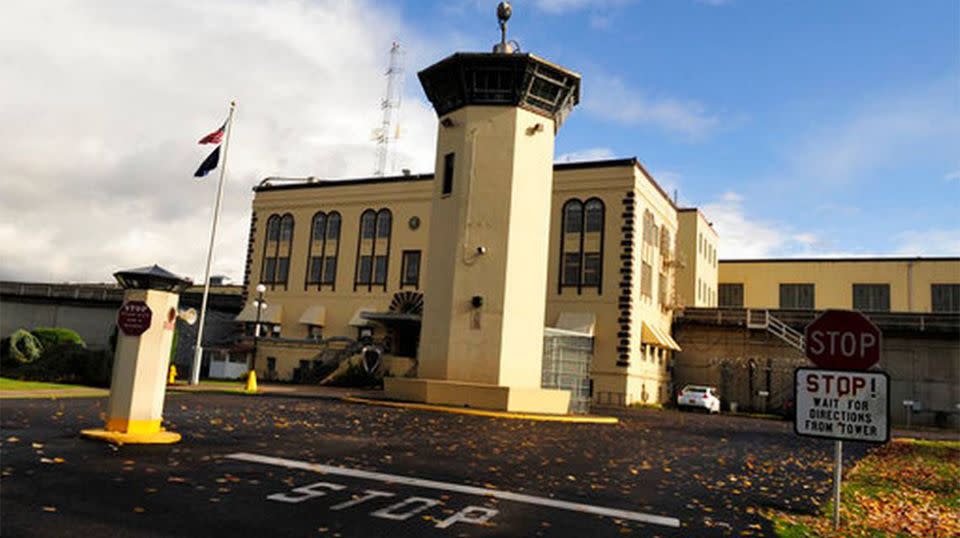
172, 376
251, 382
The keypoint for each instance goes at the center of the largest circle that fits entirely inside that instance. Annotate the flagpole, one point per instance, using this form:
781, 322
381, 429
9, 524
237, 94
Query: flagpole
198, 349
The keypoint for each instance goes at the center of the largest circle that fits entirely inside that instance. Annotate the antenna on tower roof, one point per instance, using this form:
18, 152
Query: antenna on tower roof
389, 131
504, 10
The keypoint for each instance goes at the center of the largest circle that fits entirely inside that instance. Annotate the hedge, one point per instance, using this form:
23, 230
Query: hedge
54, 336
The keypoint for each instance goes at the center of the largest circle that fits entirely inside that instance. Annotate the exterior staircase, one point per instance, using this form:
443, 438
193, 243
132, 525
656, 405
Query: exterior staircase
763, 320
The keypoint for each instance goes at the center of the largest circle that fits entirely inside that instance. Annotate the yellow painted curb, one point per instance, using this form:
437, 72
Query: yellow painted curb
482, 413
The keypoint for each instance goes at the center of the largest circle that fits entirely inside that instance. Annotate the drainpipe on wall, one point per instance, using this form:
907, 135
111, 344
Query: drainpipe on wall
910, 286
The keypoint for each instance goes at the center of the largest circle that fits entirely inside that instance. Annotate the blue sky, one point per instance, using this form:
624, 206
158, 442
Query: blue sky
816, 128
834, 125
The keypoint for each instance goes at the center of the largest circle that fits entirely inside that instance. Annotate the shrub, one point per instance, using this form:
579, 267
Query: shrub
54, 336
69, 363
24, 347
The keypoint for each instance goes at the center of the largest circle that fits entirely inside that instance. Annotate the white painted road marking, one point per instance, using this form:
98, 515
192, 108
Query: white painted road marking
458, 488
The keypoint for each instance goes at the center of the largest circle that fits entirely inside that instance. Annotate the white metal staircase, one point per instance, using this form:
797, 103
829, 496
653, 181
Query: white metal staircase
761, 319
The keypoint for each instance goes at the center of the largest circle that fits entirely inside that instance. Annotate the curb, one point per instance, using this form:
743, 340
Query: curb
482, 413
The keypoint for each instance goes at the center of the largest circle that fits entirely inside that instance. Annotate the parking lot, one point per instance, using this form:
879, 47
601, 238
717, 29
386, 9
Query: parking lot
277, 466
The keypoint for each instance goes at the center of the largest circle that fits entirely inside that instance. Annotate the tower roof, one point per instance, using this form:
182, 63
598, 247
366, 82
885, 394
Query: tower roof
517, 79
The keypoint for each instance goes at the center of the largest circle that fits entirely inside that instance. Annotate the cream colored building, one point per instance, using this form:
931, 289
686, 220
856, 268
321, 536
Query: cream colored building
867, 284
697, 263
350, 257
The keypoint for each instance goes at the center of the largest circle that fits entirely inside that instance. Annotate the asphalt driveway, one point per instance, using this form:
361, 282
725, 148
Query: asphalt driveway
275, 466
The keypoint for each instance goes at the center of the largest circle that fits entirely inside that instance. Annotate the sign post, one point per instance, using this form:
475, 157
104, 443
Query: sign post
842, 400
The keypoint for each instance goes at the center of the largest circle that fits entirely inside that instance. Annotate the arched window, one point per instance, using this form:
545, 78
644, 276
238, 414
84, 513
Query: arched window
581, 245
275, 266
373, 249
323, 250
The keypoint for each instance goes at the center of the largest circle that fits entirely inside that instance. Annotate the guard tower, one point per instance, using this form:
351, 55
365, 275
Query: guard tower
481, 341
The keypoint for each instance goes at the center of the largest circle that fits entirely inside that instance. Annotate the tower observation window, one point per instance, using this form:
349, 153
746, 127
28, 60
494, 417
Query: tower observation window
448, 173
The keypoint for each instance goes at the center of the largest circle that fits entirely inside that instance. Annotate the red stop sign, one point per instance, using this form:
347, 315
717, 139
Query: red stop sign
842, 340
134, 318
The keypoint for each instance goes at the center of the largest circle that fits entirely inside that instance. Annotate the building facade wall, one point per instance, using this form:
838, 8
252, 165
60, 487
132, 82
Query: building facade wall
409, 205
910, 280
923, 367
698, 244
94, 322
625, 369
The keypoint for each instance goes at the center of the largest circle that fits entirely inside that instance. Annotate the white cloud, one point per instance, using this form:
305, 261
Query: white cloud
558, 7
917, 126
741, 237
745, 237
589, 154
610, 99
102, 105
932, 242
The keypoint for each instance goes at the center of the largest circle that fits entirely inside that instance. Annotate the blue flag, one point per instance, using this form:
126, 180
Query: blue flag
209, 163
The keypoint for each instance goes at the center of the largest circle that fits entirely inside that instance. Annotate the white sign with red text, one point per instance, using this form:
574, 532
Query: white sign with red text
842, 405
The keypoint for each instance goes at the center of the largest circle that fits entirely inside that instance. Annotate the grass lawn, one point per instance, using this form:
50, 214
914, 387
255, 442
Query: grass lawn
16, 384
904, 488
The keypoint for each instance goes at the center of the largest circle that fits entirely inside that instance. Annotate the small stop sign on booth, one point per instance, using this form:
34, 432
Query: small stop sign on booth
842, 340
134, 318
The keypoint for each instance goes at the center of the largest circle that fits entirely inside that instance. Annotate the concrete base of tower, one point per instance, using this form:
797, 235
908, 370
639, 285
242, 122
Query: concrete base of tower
478, 395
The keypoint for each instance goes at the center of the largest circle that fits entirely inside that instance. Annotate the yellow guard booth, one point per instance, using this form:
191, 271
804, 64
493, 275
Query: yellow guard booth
145, 323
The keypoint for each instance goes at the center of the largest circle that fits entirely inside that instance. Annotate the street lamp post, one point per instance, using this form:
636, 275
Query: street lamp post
260, 306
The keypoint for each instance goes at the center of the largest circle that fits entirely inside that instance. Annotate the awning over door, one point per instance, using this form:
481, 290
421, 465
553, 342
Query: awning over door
315, 315
652, 335
272, 314
359, 321
578, 322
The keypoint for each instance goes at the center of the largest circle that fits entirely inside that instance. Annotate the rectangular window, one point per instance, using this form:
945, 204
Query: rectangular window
646, 280
333, 227
594, 219
269, 270
591, 269
731, 295
271, 364
283, 269
380, 270
871, 297
368, 227
945, 297
796, 296
571, 268
410, 268
572, 221
329, 270
364, 270
316, 269
448, 173
662, 289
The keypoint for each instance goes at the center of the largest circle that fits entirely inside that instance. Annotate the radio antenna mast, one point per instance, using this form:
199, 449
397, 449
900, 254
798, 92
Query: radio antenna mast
389, 131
